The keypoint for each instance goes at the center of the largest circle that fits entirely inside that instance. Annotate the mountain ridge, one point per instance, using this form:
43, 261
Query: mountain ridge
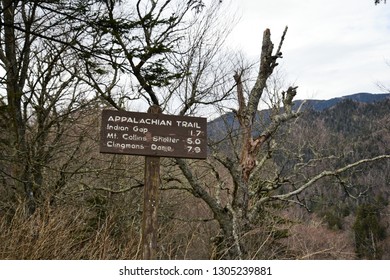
218, 127
361, 97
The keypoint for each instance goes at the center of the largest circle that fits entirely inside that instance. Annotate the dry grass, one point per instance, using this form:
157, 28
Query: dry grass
64, 234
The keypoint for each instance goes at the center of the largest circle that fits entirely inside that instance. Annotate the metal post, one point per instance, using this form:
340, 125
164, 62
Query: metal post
149, 215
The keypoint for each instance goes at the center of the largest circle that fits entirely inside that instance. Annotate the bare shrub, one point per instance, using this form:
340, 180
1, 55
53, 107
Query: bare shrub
62, 234
314, 240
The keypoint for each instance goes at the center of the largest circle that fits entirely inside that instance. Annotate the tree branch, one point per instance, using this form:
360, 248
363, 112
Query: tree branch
321, 175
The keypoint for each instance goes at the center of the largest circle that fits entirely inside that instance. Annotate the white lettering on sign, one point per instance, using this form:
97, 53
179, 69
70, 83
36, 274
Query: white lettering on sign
167, 139
153, 134
117, 127
134, 120
111, 136
155, 147
113, 144
133, 137
188, 124
143, 130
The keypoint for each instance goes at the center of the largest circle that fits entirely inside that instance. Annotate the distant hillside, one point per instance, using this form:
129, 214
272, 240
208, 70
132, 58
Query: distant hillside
362, 97
218, 128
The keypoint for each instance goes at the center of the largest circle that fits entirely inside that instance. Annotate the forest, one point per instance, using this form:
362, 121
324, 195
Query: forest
283, 179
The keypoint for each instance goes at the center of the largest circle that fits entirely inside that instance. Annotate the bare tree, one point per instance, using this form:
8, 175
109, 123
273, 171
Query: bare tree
165, 53
255, 179
42, 90
168, 73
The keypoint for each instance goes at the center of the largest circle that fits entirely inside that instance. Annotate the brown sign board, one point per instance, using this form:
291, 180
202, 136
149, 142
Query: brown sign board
149, 134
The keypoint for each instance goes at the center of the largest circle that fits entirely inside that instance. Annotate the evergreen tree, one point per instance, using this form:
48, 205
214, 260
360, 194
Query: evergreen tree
368, 232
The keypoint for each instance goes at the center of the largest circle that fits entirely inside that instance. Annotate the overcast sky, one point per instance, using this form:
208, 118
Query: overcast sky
333, 47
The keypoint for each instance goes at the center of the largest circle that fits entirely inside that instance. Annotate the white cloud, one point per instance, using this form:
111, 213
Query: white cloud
332, 47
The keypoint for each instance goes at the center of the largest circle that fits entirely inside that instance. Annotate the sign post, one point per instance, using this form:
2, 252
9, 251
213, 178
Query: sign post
153, 135
149, 214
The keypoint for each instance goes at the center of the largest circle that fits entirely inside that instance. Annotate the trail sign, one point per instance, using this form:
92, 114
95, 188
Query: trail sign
150, 134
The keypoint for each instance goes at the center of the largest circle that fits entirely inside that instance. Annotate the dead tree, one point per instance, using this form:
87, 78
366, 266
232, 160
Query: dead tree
233, 216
